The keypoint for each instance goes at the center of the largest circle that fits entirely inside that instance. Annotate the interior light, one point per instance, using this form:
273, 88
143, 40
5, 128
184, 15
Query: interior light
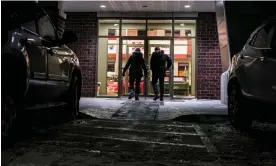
187, 6
102, 6
115, 25
182, 24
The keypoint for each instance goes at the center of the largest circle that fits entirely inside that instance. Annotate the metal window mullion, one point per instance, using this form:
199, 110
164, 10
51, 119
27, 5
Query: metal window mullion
146, 27
120, 87
172, 56
146, 55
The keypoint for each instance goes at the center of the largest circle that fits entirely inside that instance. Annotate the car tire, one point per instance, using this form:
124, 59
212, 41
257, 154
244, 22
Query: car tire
74, 99
238, 115
8, 119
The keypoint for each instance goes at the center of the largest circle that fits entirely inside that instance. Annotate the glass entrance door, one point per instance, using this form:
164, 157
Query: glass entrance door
166, 46
128, 47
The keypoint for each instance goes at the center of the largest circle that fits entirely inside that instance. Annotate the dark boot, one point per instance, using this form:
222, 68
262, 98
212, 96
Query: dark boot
136, 97
155, 90
156, 97
161, 98
131, 94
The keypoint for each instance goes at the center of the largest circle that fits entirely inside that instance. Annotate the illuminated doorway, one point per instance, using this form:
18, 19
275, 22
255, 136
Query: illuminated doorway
117, 42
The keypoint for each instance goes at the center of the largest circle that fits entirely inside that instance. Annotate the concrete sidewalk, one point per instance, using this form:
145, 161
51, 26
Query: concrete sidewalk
147, 109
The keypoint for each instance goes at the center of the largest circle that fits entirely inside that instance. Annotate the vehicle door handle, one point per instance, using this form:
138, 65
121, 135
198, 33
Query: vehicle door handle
51, 51
25, 42
263, 59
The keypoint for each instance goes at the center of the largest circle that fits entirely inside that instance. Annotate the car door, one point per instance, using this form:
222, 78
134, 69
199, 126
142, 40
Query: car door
270, 85
33, 44
259, 64
58, 59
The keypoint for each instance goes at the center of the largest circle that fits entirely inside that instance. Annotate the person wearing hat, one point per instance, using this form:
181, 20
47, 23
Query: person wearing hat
159, 63
135, 64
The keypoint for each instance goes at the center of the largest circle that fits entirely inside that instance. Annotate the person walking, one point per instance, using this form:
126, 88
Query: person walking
159, 63
135, 64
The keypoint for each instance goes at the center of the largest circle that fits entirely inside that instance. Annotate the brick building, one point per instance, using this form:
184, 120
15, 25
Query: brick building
208, 60
196, 34
200, 45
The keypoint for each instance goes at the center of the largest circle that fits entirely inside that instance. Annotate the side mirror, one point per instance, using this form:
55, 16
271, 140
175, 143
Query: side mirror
68, 37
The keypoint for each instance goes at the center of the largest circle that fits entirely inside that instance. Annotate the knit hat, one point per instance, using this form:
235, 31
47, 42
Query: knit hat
138, 49
156, 48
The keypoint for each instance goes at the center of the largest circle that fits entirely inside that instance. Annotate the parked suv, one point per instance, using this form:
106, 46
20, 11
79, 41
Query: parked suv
252, 81
38, 69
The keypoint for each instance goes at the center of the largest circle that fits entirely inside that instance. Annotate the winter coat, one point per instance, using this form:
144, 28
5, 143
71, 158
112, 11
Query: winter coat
136, 64
159, 63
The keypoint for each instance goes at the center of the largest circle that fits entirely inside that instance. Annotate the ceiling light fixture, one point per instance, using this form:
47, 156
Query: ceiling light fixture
103, 6
187, 6
115, 25
182, 24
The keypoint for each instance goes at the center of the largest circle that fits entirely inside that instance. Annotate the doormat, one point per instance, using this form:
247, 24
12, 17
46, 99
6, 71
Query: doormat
138, 110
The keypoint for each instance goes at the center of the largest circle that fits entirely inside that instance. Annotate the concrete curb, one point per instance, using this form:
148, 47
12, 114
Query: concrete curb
85, 116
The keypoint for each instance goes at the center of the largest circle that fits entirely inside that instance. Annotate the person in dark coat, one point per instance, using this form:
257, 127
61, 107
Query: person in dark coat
136, 64
159, 63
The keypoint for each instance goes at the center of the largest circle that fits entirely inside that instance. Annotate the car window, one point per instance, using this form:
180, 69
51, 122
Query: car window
30, 26
261, 38
46, 28
273, 40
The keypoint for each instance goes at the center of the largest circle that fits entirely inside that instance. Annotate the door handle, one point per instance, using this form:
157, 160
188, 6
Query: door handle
263, 59
50, 51
25, 41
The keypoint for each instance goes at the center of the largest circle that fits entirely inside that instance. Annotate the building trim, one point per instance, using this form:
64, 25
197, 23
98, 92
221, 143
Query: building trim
147, 15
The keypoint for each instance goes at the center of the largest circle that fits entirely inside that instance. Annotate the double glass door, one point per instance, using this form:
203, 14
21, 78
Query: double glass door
147, 48
128, 47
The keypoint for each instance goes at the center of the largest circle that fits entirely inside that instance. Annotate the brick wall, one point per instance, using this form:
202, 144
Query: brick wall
85, 25
208, 63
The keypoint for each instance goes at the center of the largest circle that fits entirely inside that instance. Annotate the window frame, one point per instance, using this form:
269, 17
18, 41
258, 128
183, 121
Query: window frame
272, 35
29, 30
